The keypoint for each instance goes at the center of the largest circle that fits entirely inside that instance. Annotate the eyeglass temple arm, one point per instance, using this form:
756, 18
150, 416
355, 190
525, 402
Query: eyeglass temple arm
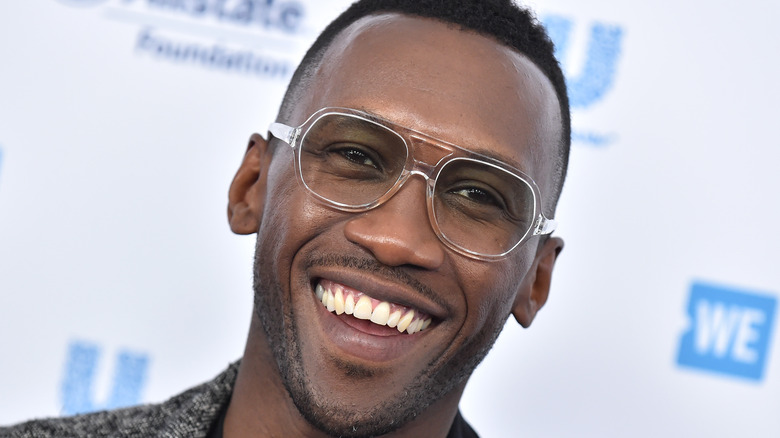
285, 133
545, 226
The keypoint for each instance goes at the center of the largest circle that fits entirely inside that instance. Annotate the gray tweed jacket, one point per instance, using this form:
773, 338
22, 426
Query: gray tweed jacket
189, 414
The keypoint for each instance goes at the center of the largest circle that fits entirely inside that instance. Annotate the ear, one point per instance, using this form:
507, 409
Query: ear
535, 287
246, 197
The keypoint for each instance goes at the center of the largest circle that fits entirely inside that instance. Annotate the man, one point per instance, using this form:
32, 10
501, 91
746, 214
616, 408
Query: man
402, 206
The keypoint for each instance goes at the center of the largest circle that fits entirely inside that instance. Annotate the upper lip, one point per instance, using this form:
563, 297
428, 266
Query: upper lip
384, 289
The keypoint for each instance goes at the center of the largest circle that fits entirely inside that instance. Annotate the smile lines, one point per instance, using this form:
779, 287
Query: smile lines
339, 299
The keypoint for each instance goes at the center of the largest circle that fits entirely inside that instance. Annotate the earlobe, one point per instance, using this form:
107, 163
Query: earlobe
535, 287
246, 197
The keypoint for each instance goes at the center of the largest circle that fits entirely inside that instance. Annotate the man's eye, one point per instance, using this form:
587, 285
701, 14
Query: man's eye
358, 156
479, 195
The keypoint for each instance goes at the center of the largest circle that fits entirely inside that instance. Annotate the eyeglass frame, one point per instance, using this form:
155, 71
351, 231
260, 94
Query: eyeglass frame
540, 224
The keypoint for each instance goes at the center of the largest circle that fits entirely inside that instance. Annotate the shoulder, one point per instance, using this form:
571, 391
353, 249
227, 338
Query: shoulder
188, 414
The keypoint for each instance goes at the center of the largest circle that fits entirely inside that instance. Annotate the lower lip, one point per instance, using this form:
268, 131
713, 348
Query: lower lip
363, 339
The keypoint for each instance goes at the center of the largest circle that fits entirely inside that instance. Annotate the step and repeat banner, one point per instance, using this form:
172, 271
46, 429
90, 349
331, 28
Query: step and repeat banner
122, 122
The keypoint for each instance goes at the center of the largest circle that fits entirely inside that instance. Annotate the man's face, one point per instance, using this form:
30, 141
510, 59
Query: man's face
350, 376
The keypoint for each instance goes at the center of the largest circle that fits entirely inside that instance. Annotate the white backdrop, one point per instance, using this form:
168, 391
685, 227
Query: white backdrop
122, 122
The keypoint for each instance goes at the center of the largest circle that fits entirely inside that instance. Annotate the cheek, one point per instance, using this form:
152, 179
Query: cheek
276, 232
291, 217
491, 293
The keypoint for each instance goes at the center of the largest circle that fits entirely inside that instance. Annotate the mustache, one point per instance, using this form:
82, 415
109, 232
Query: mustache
393, 273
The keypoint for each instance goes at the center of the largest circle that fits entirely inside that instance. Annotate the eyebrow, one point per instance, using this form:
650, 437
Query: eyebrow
493, 155
372, 116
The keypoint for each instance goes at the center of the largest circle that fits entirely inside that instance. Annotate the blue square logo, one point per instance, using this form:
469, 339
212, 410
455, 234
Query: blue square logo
729, 331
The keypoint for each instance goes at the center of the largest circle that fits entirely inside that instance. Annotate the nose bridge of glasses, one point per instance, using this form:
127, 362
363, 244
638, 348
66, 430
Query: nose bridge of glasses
426, 155
423, 169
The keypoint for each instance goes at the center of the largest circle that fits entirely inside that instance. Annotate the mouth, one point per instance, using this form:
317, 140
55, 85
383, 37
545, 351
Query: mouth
340, 299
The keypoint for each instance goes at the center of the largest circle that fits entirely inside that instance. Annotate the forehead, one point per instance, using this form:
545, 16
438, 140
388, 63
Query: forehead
454, 85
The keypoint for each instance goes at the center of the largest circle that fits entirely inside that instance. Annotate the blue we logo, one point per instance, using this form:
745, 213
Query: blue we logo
729, 332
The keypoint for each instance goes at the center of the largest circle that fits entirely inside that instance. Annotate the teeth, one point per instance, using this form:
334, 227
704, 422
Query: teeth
381, 314
416, 326
331, 304
349, 305
405, 321
392, 321
339, 300
363, 308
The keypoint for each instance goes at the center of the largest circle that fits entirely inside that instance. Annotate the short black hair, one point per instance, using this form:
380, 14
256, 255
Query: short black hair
501, 20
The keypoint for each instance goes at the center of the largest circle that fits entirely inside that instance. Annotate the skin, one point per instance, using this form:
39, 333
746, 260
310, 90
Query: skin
457, 86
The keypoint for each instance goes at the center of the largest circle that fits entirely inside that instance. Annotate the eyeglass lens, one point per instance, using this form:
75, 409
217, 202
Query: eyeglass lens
477, 206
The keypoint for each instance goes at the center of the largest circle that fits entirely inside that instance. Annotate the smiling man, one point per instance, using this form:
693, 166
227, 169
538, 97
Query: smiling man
402, 204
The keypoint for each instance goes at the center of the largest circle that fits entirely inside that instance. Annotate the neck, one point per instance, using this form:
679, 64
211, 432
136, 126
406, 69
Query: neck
261, 405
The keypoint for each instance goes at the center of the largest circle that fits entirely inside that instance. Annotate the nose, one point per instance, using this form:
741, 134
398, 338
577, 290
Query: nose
398, 232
